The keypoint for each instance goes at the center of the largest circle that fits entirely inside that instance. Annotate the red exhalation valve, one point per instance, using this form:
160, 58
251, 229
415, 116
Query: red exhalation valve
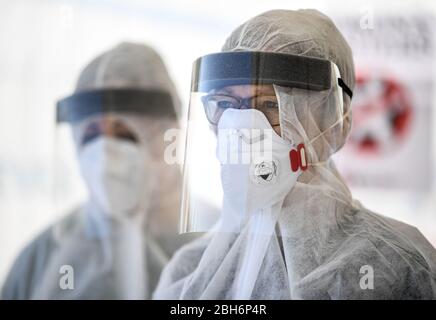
298, 158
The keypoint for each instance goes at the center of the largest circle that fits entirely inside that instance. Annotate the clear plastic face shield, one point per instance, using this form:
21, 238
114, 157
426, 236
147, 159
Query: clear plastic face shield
251, 134
111, 151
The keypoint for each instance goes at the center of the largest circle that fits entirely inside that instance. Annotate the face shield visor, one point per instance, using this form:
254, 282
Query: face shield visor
255, 123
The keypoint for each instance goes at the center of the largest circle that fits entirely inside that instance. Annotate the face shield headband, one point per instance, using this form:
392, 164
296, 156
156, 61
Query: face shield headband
82, 105
218, 70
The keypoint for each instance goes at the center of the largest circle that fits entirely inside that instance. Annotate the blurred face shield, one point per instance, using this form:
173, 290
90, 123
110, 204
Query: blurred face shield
111, 147
247, 135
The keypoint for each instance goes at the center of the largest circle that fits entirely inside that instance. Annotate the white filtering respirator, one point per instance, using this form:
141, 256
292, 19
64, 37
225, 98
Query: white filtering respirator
113, 170
258, 167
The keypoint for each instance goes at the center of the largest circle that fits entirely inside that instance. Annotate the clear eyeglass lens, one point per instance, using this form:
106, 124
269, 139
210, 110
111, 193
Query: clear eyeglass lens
215, 105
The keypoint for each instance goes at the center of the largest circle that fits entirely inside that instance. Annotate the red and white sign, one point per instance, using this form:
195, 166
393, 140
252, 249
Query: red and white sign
390, 143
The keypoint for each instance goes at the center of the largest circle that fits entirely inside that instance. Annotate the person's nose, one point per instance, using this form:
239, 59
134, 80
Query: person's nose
245, 104
107, 128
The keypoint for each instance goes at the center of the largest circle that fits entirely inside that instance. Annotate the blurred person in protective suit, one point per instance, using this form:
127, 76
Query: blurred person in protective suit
119, 240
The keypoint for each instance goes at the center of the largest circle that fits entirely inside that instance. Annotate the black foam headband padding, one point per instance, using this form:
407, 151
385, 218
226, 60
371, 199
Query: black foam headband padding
218, 70
81, 105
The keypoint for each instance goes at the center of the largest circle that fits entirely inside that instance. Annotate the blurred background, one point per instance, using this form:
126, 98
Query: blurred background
389, 160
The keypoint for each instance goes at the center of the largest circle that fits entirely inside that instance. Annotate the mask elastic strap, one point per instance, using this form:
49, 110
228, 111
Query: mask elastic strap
331, 127
321, 163
318, 164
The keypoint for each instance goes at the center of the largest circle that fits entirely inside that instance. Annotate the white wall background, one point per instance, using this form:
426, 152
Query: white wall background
44, 45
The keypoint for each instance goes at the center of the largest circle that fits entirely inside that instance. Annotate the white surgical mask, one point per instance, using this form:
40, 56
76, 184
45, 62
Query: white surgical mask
113, 170
256, 171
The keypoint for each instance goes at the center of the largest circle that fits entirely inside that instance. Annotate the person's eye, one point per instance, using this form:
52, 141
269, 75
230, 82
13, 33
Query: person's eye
127, 136
225, 104
89, 136
121, 132
91, 133
269, 104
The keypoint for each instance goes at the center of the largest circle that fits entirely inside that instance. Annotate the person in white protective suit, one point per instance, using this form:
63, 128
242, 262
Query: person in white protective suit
278, 98
117, 243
